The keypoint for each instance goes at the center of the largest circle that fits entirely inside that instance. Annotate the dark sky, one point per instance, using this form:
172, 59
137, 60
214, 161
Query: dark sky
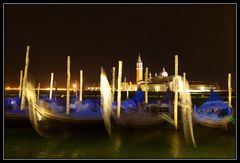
204, 37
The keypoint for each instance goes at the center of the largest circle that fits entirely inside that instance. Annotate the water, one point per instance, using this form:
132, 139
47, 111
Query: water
161, 141
158, 142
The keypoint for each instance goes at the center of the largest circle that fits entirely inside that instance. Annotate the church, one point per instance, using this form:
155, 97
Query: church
158, 82
162, 81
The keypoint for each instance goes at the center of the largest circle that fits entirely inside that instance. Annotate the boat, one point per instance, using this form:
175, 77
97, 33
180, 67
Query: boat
87, 110
16, 118
165, 105
214, 112
48, 117
134, 113
49, 109
13, 115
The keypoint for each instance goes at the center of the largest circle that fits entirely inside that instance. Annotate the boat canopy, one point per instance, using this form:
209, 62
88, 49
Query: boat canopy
213, 96
214, 103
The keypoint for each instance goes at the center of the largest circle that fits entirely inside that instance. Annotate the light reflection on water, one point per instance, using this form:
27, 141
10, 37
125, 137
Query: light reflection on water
174, 146
159, 142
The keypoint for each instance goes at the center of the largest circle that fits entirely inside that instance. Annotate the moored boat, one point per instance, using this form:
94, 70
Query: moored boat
214, 112
134, 113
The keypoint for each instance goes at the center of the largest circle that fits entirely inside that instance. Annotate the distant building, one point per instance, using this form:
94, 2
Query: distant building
163, 73
139, 69
162, 81
157, 82
200, 85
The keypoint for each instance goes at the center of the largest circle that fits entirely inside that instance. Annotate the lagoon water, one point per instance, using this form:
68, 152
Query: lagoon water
155, 142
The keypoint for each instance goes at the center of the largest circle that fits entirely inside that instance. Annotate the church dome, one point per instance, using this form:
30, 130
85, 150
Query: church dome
163, 73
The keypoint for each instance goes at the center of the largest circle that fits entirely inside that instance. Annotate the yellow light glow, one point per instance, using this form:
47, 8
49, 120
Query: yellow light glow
135, 88
74, 86
39, 117
7, 88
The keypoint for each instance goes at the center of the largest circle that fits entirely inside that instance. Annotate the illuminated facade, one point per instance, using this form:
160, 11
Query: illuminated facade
158, 83
139, 70
163, 73
162, 81
203, 86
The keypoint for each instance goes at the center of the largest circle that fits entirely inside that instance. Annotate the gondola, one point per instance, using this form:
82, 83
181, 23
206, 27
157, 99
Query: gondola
13, 115
214, 112
134, 113
48, 117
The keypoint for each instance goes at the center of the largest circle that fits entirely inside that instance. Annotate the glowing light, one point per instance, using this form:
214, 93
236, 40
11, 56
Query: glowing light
186, 105
106, 100
68, 85
135, 88
113, 83
202, 88
13, 102
51, 86
61, 89
39, 117
74, 86
146, 85
25, 79
229, 90
157, 88
21, 78
81, 85
119, 88
176, 93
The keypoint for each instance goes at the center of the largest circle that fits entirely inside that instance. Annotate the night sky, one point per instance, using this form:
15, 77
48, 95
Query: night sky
204, 37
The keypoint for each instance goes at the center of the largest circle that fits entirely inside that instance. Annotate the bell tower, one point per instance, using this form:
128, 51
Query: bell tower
139, 69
